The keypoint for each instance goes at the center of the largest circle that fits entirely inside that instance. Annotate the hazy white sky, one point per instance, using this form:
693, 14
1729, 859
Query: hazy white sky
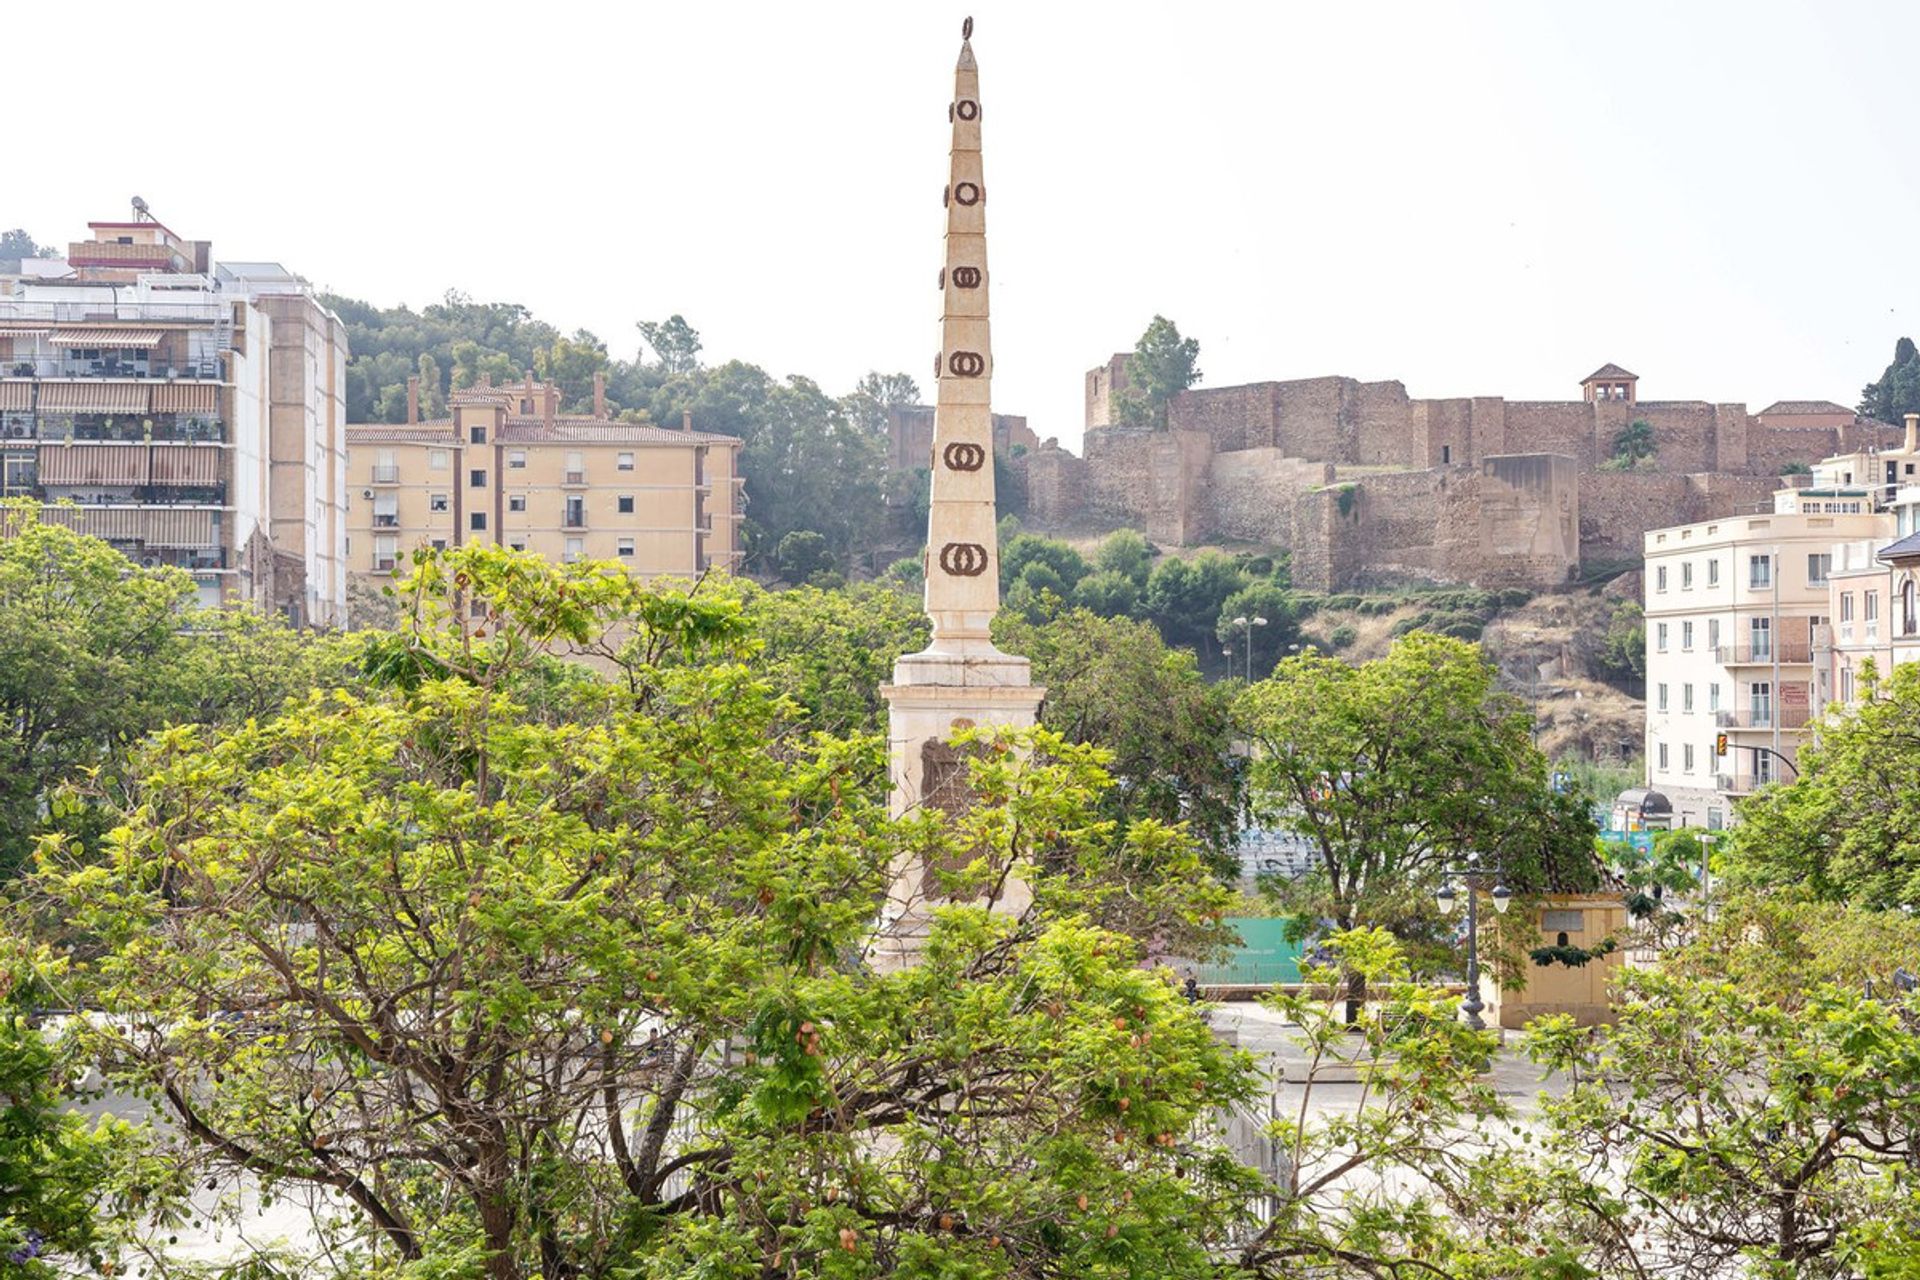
1485, 199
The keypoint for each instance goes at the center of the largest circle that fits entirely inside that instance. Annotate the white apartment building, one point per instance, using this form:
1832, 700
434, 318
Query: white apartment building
1734, 608
194, 413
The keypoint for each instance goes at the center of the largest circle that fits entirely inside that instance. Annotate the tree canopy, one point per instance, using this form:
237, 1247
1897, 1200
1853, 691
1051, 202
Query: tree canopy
1163, 365
1896, 392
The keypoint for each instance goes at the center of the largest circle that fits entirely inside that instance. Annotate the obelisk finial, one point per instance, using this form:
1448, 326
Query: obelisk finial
963, 561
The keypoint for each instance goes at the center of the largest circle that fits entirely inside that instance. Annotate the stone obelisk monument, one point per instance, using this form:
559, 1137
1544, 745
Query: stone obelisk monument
959, 680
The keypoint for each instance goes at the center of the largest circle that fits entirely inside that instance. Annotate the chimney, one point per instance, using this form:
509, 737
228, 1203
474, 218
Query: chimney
686, 420
486, 380
549, 400
600, 395
1913, 433
413, 398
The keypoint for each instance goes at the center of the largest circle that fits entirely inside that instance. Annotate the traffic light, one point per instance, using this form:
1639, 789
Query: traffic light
1720, 744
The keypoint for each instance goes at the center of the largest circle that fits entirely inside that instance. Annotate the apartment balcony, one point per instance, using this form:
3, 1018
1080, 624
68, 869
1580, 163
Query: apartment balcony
1764, 718
386, 475
575, 478
1740, 784
384, 564
385, 520
1785, 652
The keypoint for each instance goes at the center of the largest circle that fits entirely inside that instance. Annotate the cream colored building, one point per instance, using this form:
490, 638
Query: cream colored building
508, 468
193, 412
1735, 611
1875, 586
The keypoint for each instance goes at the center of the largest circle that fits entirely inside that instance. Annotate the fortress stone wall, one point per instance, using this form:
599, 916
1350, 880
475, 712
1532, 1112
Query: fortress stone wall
1364, 483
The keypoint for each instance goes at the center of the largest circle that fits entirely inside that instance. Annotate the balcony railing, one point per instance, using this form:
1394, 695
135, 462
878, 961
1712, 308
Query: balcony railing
386, 475
1786, 651
1764, 718
58, 427
386, 520
576, 477
383, 564
1740, 784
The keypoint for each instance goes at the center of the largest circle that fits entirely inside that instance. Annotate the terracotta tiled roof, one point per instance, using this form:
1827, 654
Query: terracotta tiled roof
1790, 407
1610, 371
575, 430
402, 432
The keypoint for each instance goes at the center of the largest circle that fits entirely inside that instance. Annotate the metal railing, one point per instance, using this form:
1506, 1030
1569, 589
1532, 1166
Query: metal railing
60, 426
385, 520
1788, 651
1764, 718
386, 475
576, 477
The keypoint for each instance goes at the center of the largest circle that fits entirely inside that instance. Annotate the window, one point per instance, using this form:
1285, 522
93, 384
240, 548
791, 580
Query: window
626, 547
626, 504
386, 550
1686, 635
576, 512
385, 469
1760, 571
1446, 454
1660, 578
1660, 753
1846, 684
1686, 757
477, 521
516, 459
438, 459
440, 502
1660, 636
1818, 565
623, 462
1846, 606
386, 511
1716, 821
576, 467
1686, 698
476, 479
1713, 573
516, 502
1870, 607
1661, 691
1713, 696
1760, 703
1759, 639
476, 435
1713, 633
439, 544
576, 547
1686, 575
1762, 766
1909, 609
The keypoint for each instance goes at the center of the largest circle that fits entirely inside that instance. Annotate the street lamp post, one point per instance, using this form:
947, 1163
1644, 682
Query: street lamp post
1472, 874
1246, 626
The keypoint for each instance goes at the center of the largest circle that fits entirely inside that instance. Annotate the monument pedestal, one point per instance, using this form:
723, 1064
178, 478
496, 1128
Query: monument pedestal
935, 694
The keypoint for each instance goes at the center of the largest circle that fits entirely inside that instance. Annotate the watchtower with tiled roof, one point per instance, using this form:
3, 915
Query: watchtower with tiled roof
1610, 383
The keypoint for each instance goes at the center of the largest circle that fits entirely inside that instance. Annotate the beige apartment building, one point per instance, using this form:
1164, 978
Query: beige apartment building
191, 413
508, 468
1875, 584
1737, 610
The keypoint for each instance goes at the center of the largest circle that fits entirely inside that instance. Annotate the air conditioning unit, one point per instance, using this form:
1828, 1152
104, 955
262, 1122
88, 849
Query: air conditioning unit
19, 430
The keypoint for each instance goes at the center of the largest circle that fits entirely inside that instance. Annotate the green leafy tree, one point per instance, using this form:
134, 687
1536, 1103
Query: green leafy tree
570, 363
1063, 564
1394, 770
1714, 1133
830, 651
17, 244
1126, 552
674, 342
1163, 365
1896, 393
89, 647
1184, 597
802, 554
867, 404
1107, 593
1622, 656
1114, 682
545, 972
1844, 827
1632, 445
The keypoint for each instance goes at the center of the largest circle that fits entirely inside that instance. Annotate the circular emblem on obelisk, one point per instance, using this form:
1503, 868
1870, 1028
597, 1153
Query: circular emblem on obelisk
964, 277
963, 455
964, 559
966, 109
967, 193
966, 364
